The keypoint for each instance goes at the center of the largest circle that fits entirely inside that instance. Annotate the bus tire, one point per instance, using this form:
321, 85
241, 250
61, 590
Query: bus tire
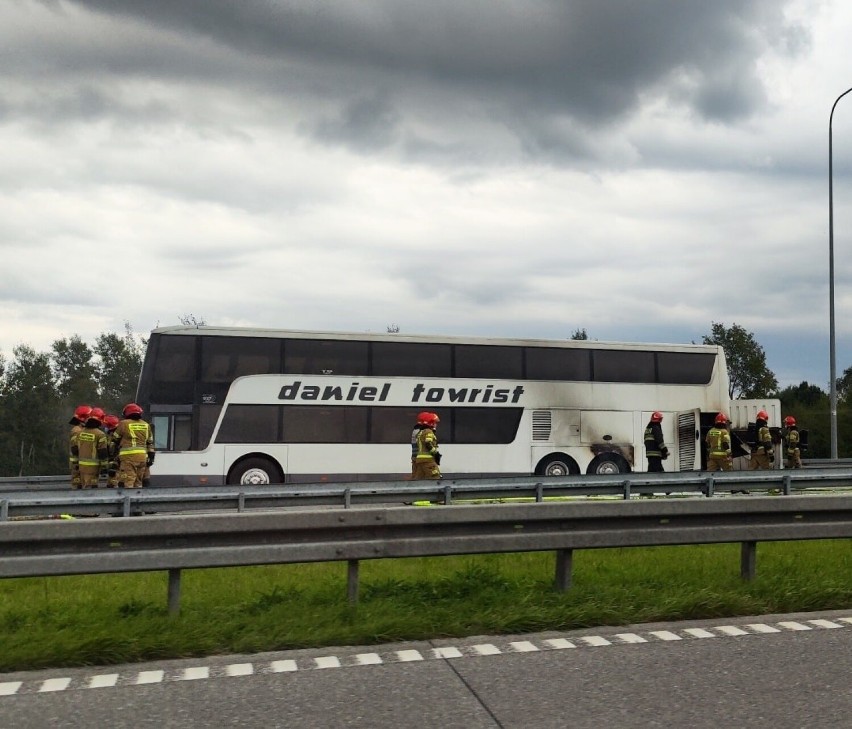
608, 463
255, 471
557, 464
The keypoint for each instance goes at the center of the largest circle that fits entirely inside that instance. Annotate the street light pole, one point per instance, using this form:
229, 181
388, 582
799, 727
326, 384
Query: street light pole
832, 346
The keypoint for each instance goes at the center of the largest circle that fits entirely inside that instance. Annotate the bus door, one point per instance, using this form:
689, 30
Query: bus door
688, 445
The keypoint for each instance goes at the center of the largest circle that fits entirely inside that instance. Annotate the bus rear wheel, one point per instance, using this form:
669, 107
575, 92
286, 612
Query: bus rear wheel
557, 464
255, 472
608, 463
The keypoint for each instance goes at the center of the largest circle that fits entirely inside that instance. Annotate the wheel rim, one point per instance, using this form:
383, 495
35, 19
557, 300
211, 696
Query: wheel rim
556, 469
255, 477
607, 467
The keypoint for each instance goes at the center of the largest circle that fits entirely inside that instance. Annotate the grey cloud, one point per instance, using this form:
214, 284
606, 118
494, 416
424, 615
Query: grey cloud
584, 62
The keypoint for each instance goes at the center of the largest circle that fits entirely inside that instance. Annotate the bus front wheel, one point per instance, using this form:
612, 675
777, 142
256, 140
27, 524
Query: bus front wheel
557, 464
608, 463
255, 472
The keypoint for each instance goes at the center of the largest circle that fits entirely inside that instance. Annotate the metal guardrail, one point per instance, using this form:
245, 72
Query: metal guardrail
127, 502
93, 546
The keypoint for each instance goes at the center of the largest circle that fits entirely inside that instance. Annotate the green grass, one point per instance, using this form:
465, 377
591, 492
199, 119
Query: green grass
103, 619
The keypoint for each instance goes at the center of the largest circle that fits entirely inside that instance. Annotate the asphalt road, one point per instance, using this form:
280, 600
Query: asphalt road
778, 671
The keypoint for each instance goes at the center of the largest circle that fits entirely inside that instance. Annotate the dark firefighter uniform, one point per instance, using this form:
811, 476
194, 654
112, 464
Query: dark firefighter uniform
655, 448
424, 448
762, 453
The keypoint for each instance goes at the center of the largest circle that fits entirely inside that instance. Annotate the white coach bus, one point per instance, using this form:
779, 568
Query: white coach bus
253, 406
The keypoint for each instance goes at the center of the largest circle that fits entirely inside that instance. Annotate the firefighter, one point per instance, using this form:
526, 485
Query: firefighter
791, 443
90, 448
718, 441
134, 440
655, 449
77, 423
110, 424
424, 447
762, 454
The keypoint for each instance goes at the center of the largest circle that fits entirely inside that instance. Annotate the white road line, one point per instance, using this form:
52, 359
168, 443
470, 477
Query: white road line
195, 674
150, 677
630, 638
105, 680
762, 628
10, 688
447, 652
846, 620
825, 624
700, 633
559, 643
665, 635
54, 684
793, 625
327, 662
523, 646
731, 630
486, 649
595, 641
408, 656
368, 659
283, 666
239, 669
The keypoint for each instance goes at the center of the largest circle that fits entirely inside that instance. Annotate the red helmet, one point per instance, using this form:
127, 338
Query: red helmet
131, 409
789, 421
111, 421
98, 414
656, 417
762, 415
428, 419
721, 419
82, 412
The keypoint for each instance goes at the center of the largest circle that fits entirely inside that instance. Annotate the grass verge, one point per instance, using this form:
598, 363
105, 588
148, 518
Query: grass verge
107, 619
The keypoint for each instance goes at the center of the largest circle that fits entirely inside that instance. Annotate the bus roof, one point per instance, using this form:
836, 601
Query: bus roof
215, 331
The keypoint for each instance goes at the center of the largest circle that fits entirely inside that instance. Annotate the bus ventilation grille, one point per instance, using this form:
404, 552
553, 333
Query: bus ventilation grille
686, 440
541, 425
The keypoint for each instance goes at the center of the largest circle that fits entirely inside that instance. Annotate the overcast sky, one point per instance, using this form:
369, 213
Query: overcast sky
509, 168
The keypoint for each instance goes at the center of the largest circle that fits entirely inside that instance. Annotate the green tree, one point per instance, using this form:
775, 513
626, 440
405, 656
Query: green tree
580, 334
33, 427
749, 375
809, 405
119, 362
844, 384
74, 372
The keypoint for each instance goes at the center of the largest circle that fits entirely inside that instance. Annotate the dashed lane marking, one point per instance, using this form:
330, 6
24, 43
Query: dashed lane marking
293, 665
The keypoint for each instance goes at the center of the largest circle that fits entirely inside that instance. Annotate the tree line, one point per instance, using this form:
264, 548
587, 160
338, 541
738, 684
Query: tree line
39, 391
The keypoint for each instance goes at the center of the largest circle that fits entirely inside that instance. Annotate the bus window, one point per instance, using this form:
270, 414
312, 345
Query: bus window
172, 432
250, 424
685, 368
325, 357
613, 365
306, 424
410, 359
173, 380
223, 359
546, 363
391, 425
482, 425
207, 417
477, 361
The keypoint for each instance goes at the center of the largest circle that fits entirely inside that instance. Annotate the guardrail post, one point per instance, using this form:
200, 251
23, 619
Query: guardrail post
709, 486
564, 564
353, 568
748, 560
347, 498
174, 592
539, 493
448, 494
4, 510
241, 501
626, 485
126, 507
787, 480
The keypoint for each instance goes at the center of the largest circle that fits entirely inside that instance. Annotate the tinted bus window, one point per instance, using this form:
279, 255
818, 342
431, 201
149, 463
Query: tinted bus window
223, 359
482, 425
325, 425
325, 357
208, 415
610, 365
173, 380
546, 363
392, 425
685, 368
477, 361
250, 424
406, 359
